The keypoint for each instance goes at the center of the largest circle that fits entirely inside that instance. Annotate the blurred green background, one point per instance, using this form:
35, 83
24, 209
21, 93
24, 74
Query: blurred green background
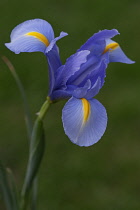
105, 176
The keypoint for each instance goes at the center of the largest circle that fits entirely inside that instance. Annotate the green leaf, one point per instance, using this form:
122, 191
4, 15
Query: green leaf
34, 194
23, 95
13, 189
7, 187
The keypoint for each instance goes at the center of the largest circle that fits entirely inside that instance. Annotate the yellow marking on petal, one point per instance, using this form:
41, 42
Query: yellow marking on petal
86, 109
39, 36
110, 47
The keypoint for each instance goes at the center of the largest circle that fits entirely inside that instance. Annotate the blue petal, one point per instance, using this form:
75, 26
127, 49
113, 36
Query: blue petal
62, 34
54, 62
105, 34
115, 53
72, 65
95, 71
81, 92
63, 92
100, 71
60, 94
31, 36
79, 76
88, 91
96, 43
84, 127
38, 25
93, 66
21, 41
94, 90
26, 44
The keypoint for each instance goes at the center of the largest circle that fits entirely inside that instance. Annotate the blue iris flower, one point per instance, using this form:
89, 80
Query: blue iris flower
79, 80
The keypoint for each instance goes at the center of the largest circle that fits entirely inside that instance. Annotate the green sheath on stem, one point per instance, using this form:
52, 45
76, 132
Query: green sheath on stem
35, 153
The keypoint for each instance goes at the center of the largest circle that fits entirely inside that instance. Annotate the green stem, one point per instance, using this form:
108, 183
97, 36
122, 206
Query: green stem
35, 153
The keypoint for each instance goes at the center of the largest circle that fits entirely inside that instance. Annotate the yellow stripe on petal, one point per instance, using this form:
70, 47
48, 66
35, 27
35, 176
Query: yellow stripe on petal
86, 109
111, 47
39, 36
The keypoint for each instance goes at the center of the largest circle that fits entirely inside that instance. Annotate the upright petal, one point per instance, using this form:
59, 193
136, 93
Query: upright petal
31, 36
93, 72
84, 121
54, 63
86, 68
71, 66
53, 58
115, 52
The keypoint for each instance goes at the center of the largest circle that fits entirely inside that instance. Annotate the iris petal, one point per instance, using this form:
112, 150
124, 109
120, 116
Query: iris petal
94, 90
81, 92
86, 68
54, 63
72, 66
30, 36
60, 94
94, 72
53, 58
96, 43
38, 25
52, 43
115, 52
26, 44
105, 34
84, 121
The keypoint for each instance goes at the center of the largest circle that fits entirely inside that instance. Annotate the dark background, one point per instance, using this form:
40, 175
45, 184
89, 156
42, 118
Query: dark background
105, 176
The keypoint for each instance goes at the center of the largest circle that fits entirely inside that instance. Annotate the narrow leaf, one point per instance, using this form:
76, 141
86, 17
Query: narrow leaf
7, 192
13, 189
23, 95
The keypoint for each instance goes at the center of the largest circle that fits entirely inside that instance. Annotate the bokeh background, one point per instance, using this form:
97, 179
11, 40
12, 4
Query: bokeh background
105, 176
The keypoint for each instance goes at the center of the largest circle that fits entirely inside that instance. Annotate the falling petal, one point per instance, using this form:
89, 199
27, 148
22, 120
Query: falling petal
31, 36
84, 121
115, 52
